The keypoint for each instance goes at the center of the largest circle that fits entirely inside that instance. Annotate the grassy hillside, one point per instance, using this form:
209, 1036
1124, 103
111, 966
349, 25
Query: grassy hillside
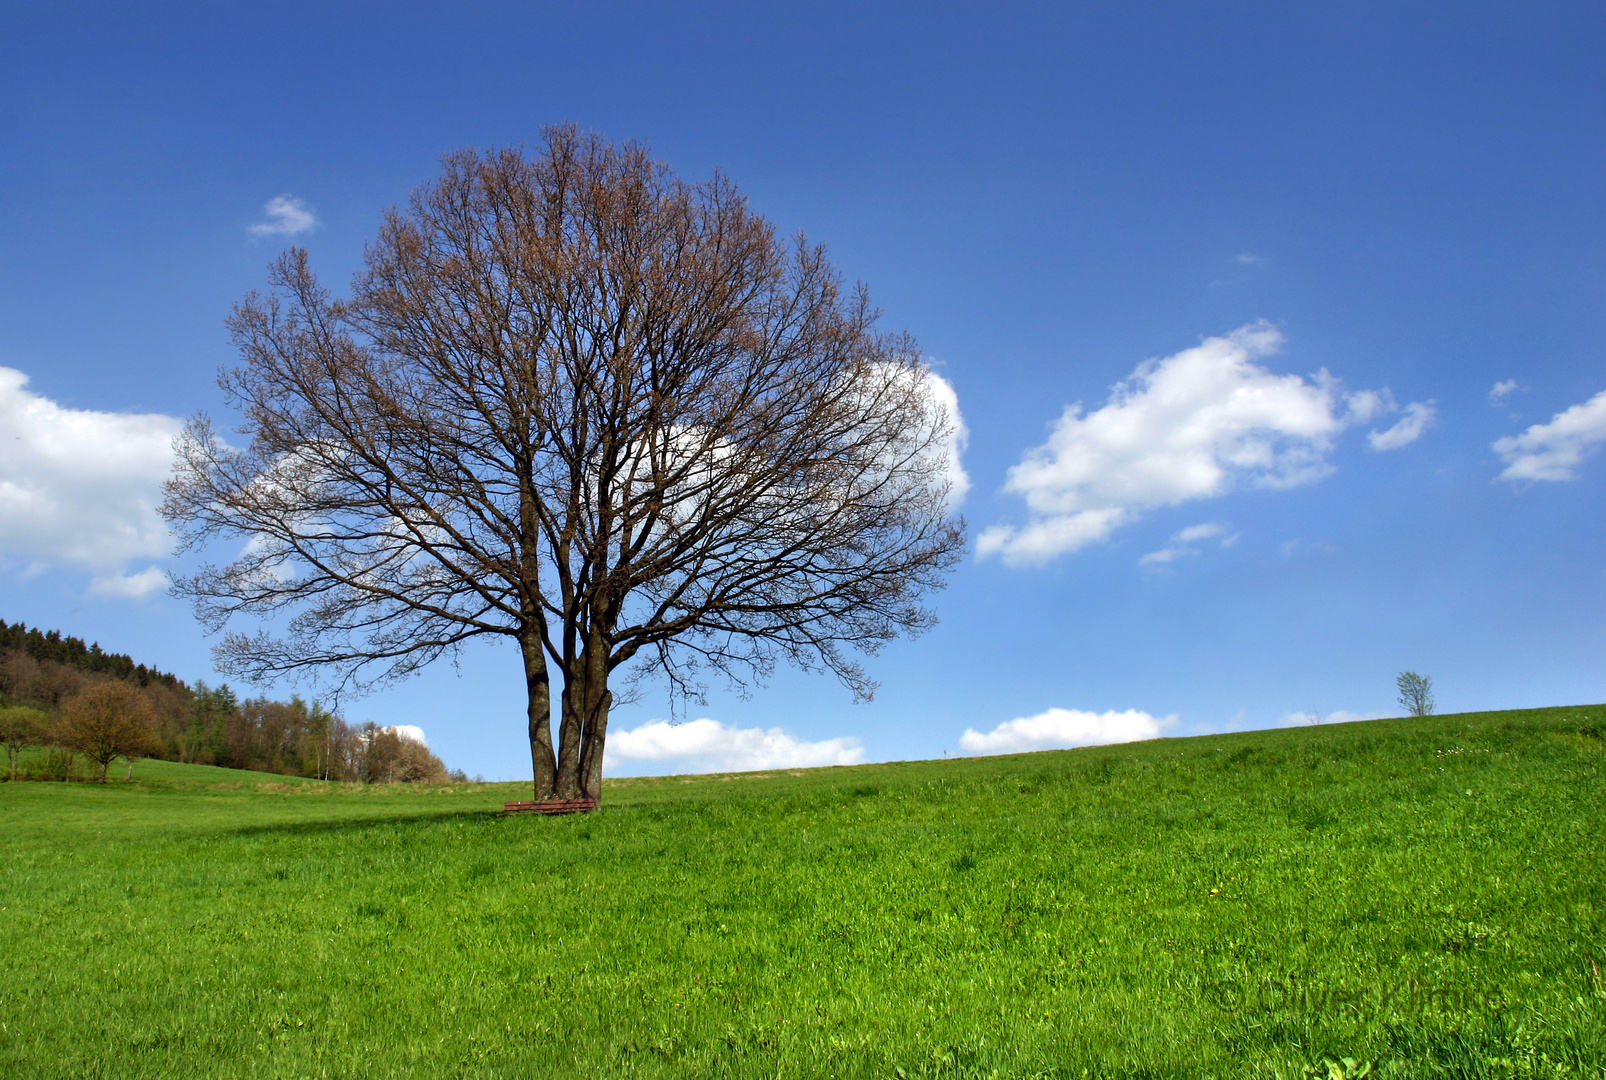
1422, 895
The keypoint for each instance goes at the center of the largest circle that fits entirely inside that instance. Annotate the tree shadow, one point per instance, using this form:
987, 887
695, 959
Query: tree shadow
358, 824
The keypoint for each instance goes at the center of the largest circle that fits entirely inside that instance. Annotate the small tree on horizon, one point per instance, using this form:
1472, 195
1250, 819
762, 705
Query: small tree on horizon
107, 721
1416, 693
22, 728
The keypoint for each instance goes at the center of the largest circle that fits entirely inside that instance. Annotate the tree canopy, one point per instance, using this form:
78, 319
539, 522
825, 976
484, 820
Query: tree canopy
108, 720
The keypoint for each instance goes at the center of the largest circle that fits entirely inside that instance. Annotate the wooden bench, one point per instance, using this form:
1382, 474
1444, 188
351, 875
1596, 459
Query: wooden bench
550, 806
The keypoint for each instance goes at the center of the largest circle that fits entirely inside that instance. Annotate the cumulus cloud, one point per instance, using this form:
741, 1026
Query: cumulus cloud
945, 399
411, 732
1190, 426
1182, 543
287, 216
704, 746
1060, 729
1502, 390
81, 487
1552, 451
1419, 416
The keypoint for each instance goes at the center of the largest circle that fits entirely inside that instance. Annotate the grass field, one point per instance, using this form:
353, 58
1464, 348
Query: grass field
1424, 896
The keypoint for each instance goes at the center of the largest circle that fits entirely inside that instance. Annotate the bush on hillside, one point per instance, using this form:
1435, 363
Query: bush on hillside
22, 728
54, 764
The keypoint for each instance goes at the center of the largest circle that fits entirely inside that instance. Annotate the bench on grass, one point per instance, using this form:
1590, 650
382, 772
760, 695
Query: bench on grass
550, 806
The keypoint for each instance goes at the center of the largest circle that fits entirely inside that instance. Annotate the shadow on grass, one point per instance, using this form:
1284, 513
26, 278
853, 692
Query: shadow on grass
323, 826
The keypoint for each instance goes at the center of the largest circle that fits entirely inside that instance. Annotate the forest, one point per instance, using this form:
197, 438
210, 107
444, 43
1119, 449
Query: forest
43, 672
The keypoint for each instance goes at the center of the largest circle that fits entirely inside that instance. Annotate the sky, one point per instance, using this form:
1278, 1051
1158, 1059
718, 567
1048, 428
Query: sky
1277, 330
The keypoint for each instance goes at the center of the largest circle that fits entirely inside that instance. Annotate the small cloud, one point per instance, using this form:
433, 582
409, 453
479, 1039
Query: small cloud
1316, 716
1039, 541
1366, 405
1553, 451
411, 732
1209, 530
1165, 556
1344, 716
1061, 729
287, 216
130, 586
1296, 547
1181, 541
1502, 390
705, 746
1419, 416
1247, 259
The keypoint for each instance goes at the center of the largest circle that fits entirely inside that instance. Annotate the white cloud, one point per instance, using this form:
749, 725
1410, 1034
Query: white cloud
1249, 259
1552, 451
287, 216
1185, 427
1419, 416
945, 399
704, 746
1044, 538
1316, 716
130, 586
410, 732
1059, 729
1182, 541
81, 487
1209, 530
1502, 390
1344, 716
1166, 556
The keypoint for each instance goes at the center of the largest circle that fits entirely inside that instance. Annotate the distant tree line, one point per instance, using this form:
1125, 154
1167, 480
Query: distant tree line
74, 700
72, 652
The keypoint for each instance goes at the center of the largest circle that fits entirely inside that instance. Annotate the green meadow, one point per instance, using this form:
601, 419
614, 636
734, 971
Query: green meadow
1400, 898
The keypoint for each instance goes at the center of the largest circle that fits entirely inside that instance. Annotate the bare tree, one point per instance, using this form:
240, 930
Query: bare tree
575, 402
1416, 693
108, 720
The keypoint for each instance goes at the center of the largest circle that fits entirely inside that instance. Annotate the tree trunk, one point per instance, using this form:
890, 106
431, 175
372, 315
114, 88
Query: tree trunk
596, 735
538, 686
103, 765
569, 732
130, 775
586, 701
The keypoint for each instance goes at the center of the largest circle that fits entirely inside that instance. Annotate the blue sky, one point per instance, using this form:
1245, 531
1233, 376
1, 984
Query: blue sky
1239, 196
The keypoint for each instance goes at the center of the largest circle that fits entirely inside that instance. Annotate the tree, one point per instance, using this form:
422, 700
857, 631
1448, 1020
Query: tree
575, 403
22, 728
416, 764
206, 737
108, 720
1416, 693
386, 756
